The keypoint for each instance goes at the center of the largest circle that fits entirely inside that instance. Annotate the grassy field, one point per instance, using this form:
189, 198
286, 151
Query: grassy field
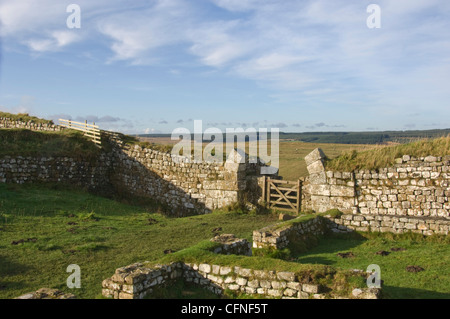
43, 230
432, 254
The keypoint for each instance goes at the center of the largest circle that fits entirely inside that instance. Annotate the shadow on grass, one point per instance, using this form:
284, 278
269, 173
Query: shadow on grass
412, 293
332, 243
11, 268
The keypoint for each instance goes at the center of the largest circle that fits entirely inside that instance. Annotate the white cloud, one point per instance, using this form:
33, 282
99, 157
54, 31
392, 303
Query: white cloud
237, 5
55, 41
306, 50
151, 131
136, 34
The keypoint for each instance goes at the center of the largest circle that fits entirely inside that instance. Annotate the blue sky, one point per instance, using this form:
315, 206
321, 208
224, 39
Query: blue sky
155, 65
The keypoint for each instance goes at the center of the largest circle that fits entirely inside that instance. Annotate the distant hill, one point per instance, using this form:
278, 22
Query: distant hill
384, 137
365, 137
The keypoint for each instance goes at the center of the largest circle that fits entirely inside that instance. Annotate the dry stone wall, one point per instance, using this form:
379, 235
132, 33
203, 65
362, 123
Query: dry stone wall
74, 171
412, 195
185, 187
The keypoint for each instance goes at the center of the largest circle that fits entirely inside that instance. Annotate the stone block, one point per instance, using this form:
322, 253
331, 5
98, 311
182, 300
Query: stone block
316, 168
274, 292
265, 284
314, 156
287, 276
204, 268
310, 288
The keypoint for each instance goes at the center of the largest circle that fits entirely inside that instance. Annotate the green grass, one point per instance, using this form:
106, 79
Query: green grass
385, 156
55, 227
22, 142
24, 117
431, 253
98, 234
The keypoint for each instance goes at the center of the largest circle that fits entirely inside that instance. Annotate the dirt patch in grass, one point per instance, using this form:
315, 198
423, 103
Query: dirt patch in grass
414, 269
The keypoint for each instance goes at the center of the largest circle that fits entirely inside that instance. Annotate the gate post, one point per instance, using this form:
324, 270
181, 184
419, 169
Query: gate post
299, 196
264, 189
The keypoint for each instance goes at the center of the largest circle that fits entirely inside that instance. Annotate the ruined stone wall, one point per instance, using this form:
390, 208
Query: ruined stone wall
278, 236
413, 187
137, 281
182, 185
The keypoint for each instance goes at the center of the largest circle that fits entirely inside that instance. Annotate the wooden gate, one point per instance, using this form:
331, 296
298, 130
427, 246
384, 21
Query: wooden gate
283, 195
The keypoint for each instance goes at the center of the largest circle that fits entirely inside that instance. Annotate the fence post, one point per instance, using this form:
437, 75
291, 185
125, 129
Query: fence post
264, 191
299, 196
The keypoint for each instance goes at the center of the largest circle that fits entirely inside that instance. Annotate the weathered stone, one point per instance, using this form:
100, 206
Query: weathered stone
204, 268
287, 276
274, 292
265, 284
366, 293
312, 289
290, 292
303, 295
241, 281
278, 285
314, 156
253, 283
316, 168
225, 270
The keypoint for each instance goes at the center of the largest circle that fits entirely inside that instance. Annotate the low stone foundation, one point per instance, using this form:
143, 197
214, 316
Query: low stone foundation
279, 235
232, 245
138, 282
394, 224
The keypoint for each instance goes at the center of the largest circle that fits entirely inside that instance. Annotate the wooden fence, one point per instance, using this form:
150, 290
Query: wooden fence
90, 130
283, 195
